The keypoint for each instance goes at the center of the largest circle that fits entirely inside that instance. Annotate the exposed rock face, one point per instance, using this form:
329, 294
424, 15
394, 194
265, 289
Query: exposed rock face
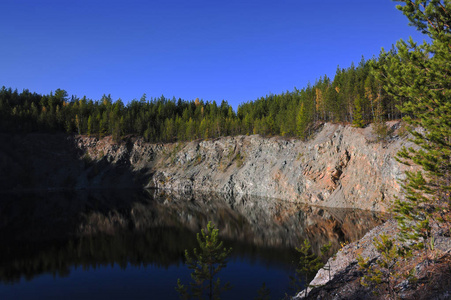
341, 280
340, 167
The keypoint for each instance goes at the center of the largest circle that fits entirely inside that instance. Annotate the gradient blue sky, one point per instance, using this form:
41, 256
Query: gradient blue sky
214, 50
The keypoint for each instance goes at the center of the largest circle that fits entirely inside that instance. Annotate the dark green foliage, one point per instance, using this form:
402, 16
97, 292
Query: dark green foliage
301, 122
207, 262
239, 159
309, 263
358, 113
380, 128
418, 78
263, 293
382, 271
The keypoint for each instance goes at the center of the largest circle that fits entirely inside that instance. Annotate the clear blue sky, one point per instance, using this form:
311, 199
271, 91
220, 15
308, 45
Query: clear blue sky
214, 50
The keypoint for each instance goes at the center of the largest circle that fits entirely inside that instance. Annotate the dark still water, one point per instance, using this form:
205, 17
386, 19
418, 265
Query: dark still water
130, 244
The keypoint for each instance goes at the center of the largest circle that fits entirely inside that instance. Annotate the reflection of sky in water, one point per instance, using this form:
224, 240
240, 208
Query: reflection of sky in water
120, 246
150, 282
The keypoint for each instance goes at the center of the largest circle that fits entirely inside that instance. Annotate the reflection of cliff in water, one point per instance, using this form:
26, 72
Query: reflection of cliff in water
54, 232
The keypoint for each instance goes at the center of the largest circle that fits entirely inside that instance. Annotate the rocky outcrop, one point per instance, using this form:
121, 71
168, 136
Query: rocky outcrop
341, 166
341, 279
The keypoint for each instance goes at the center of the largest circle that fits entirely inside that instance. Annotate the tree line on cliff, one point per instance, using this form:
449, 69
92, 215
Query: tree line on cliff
354, 96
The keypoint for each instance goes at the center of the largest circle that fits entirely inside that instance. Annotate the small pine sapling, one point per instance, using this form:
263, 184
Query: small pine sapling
207, 262
309, 263
383, 270
263, 293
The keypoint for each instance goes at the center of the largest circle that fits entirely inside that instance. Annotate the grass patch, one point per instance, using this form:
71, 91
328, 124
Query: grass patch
239, 159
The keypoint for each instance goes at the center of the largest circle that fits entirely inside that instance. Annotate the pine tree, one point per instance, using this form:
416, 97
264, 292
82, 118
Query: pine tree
369, 94
418, 78
420, 75
207, 262
90, 126
301, 122
383, 271
263, 293
190, 129
309, 263
358, 113
380, 128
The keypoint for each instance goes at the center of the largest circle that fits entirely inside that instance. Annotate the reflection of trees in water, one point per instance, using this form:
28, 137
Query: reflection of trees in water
55, 232
138, 249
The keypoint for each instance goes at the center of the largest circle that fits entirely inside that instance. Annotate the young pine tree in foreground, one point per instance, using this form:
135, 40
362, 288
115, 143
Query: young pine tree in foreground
206, 263
420, 75
263, 293
383, 271
309, 263
418, 78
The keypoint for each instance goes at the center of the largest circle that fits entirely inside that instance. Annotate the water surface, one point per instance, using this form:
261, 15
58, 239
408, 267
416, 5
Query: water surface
130, 244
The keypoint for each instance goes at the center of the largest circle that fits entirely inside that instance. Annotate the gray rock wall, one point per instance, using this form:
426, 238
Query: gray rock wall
341, 166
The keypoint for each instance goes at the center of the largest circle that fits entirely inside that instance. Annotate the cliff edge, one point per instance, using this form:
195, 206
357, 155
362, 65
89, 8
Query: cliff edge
340, 166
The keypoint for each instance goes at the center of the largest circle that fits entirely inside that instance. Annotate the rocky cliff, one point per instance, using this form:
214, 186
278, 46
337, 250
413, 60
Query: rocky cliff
341, 279
340, 166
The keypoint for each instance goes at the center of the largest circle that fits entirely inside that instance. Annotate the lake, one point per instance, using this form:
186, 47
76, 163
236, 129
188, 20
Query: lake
128, 244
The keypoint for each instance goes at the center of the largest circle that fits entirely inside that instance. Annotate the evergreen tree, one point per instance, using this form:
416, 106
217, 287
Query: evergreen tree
263, 293
358, 111
207, 262
383, 271
90, 126
419, 75
309, 263
301, 122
